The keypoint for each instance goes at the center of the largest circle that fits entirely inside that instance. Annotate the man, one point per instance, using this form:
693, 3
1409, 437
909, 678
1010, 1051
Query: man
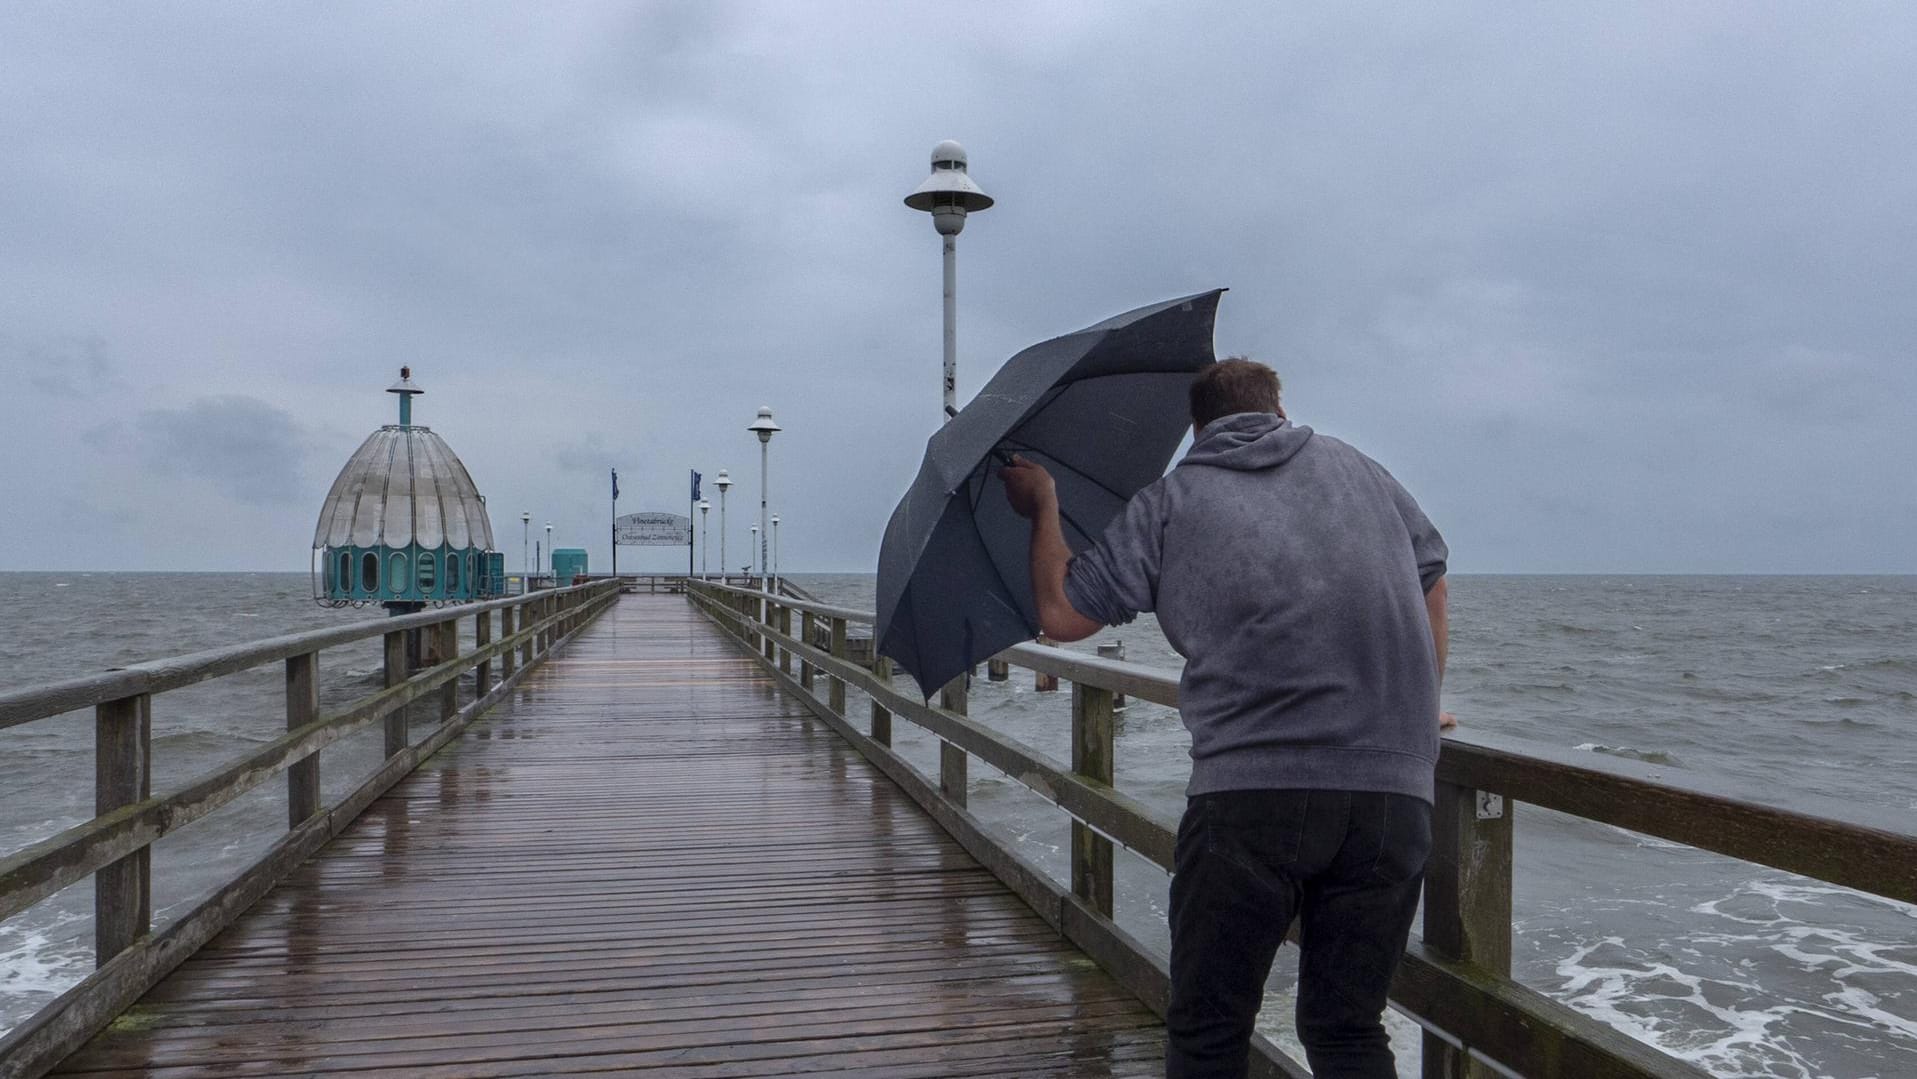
1306, 591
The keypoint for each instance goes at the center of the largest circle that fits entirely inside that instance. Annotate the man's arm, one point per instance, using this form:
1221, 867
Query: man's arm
1034, 497
1435, 609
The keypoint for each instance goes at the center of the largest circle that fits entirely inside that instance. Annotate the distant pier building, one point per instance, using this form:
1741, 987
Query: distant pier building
404, 525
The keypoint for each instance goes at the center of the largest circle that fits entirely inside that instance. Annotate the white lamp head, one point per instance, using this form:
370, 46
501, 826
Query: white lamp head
949, 193
763, 426
724, 481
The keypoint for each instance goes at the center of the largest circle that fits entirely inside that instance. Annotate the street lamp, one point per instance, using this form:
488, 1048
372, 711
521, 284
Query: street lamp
752, 566
764, 428
549, 558
775, 552
724, 481
705, 537
525, 553
948, 195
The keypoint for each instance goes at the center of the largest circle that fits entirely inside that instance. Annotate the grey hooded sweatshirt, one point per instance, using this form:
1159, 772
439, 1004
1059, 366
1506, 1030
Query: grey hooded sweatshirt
1290, 571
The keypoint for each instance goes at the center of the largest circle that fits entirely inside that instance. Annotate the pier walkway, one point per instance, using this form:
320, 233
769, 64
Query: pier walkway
652, 861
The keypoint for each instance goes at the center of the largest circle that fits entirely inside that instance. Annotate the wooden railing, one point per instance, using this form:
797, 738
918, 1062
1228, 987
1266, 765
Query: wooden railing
1455, 980
115, 846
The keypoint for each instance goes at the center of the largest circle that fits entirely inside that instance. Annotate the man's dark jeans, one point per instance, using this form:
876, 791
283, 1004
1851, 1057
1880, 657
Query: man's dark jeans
1349, 865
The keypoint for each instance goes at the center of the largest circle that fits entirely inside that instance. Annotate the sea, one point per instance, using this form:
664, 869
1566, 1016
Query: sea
1777, 685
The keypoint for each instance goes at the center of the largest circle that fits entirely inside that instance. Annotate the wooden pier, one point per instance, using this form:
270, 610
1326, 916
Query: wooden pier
667, 833
648, 859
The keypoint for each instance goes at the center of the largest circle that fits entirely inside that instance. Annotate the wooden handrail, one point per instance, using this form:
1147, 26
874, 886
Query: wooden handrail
158, 676
1839, 842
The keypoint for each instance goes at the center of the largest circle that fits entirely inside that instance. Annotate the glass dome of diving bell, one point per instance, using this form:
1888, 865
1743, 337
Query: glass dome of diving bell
404, 525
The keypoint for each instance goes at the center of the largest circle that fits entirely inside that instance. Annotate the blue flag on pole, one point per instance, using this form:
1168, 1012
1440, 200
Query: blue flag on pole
615, 485
695, 485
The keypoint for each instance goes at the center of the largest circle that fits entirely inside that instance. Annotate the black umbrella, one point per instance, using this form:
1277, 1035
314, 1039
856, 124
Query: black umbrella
1102, 409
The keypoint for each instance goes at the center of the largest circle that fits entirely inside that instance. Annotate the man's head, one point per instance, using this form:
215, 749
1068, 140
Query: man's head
1231, 386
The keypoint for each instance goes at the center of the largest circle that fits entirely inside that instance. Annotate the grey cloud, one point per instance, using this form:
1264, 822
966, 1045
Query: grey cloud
247, 449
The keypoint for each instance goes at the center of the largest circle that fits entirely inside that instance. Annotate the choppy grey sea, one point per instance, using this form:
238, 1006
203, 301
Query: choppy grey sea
1778, 684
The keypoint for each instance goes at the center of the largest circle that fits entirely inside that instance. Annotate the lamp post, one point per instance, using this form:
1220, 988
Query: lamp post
775, 552
705, 537
752, 565
525, 553
764, 428
723, 482
549, 558
948, 195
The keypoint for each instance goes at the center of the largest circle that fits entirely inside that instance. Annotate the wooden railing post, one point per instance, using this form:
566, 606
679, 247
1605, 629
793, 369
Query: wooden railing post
482, 636
806, 635
998, 670
1092, 758
881, 717
302, 707
1467, 900
506, 664
835, 697
528, 616
444, 645
396, 672
769, 619
785, 627
122, 775
954, 781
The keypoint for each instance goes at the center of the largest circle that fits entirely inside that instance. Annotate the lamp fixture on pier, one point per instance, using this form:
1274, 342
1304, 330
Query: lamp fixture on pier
403, 524
949, 195
753, 568
764, 428
525, 552
546, 564
775, 552
705, 537
724, 482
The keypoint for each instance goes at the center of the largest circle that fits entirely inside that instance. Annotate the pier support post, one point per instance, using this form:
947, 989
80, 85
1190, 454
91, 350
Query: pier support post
1092, 725
1467, 900
1042, 682
122, 775
785, 627
302, 707
835, 698
396, 672
998, 670
953, 780
806, 634
881, 716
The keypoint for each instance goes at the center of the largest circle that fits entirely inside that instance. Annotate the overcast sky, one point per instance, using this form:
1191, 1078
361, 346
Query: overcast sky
1627, 290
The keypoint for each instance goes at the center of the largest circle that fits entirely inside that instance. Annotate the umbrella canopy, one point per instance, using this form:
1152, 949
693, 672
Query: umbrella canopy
1102, 409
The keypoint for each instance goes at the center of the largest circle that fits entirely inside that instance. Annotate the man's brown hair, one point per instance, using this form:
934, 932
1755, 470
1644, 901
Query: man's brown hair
1230, 386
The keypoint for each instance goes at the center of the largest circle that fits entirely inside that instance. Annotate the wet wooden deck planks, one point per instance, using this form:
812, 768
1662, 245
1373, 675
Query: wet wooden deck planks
647, 863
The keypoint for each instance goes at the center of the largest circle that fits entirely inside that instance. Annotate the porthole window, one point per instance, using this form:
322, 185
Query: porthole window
472, 573
343, 576
428, 573
452, 574
327, 565
397, 579
369, 573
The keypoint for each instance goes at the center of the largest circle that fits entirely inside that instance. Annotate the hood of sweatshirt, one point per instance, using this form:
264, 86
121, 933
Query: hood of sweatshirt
1247, 441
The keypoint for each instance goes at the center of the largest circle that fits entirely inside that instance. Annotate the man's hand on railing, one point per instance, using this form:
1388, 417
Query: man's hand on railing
1447, 721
